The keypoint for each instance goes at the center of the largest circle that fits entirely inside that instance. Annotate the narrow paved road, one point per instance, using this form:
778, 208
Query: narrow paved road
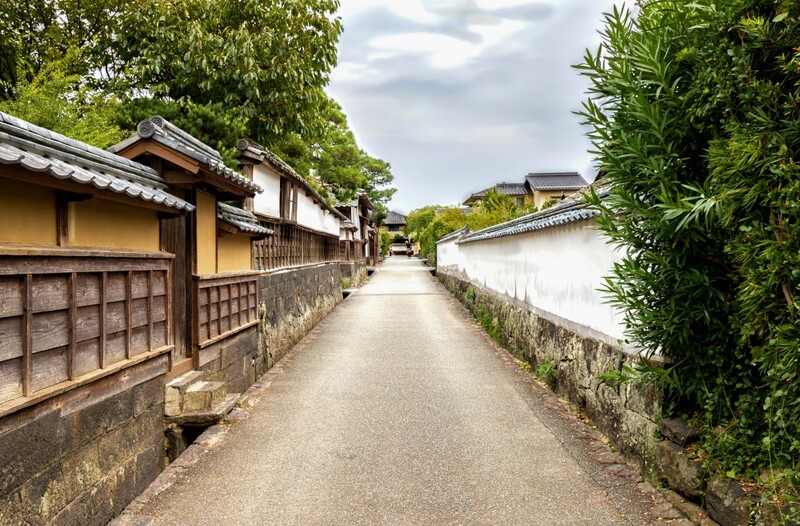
397, 410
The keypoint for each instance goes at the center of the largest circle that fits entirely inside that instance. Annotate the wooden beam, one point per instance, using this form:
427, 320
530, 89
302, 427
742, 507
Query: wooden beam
27, 351
103, 314
128, 313
73, 330
150, 342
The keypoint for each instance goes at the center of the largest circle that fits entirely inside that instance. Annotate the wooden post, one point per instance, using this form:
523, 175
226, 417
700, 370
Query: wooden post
150, 313
128, 314
73, 329
103, 284
27, 351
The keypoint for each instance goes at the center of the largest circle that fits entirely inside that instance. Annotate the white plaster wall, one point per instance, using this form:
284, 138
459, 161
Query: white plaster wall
269, 201
557, 270
309, 213
448, 255
330, 223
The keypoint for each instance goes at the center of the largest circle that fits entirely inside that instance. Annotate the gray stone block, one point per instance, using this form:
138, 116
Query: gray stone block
727, 503
28, 450
684, 475
679, 431
203, 395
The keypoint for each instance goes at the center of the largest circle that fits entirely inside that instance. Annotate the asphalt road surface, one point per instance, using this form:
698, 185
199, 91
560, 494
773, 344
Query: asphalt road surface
398, 410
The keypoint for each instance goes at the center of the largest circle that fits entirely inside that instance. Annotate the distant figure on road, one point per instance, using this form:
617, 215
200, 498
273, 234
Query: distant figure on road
408, 248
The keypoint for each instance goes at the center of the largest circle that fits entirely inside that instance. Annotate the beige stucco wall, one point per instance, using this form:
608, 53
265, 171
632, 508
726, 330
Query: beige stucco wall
541, 197
107, 224
27, 213
234, 253
206, 233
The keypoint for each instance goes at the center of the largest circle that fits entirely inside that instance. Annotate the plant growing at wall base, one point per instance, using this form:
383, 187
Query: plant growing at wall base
696, 123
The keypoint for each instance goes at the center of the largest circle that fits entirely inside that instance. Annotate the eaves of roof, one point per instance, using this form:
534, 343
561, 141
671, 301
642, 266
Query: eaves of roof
452, 235
254, 150
242, 220
573, 210
162, 131
40, 150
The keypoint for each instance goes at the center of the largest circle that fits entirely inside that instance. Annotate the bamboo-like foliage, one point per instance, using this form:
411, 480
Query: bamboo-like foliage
695, 117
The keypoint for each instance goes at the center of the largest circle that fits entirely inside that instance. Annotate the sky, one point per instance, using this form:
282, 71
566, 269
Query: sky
459, 95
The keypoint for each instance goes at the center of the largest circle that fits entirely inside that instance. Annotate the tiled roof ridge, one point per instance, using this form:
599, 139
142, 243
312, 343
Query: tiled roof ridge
160, 129
573, 210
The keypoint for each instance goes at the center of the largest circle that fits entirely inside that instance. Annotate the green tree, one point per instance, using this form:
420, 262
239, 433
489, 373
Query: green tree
268, 61
34, 33
332, 156
696, 124
56, 100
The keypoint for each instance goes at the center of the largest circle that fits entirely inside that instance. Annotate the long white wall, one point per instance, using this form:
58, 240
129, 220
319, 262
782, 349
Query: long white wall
312, 215
309, 214
269, 201
556, 271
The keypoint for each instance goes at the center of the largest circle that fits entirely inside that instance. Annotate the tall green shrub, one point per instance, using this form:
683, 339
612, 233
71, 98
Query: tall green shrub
695, 116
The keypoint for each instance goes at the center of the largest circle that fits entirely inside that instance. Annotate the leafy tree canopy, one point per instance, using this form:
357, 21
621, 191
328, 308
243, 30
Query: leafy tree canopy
696, 122
430, 223
219, 69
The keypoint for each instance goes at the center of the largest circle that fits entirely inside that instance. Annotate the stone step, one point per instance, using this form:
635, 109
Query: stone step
175, 390
207, 417
202, 396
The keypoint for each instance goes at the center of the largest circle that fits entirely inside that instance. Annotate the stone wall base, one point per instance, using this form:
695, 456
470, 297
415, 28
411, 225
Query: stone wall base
572, 365
80, 458
353, 274
292, 303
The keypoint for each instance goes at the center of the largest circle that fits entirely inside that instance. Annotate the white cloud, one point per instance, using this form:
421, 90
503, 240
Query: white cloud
461, 94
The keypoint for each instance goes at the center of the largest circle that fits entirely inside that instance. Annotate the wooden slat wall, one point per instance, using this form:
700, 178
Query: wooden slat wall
63, 317
291, 246
225, 305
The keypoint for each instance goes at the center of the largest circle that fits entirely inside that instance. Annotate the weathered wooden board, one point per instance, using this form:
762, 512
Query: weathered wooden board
11, 292
50, 330
49, 368
11, 338
50, 293
10, 379
87, 356
88, 289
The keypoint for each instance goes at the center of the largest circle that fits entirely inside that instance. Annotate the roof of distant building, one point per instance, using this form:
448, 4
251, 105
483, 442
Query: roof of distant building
555, 181
40, 150
394, 218
509, 189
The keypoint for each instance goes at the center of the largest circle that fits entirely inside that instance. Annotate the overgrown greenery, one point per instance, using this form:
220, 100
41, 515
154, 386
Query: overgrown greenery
220, 69
430, 223
695, 111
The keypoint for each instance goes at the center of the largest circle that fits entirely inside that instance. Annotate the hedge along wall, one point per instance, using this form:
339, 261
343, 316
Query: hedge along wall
538, 293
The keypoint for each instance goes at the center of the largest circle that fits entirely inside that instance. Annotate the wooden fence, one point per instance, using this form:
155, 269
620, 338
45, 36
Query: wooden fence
224, 305
291, 246
67, 315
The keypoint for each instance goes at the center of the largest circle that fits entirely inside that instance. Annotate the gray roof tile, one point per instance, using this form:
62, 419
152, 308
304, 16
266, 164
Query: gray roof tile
159, 129
243, 220
555, 181
394, 218
40, 150
571, 210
